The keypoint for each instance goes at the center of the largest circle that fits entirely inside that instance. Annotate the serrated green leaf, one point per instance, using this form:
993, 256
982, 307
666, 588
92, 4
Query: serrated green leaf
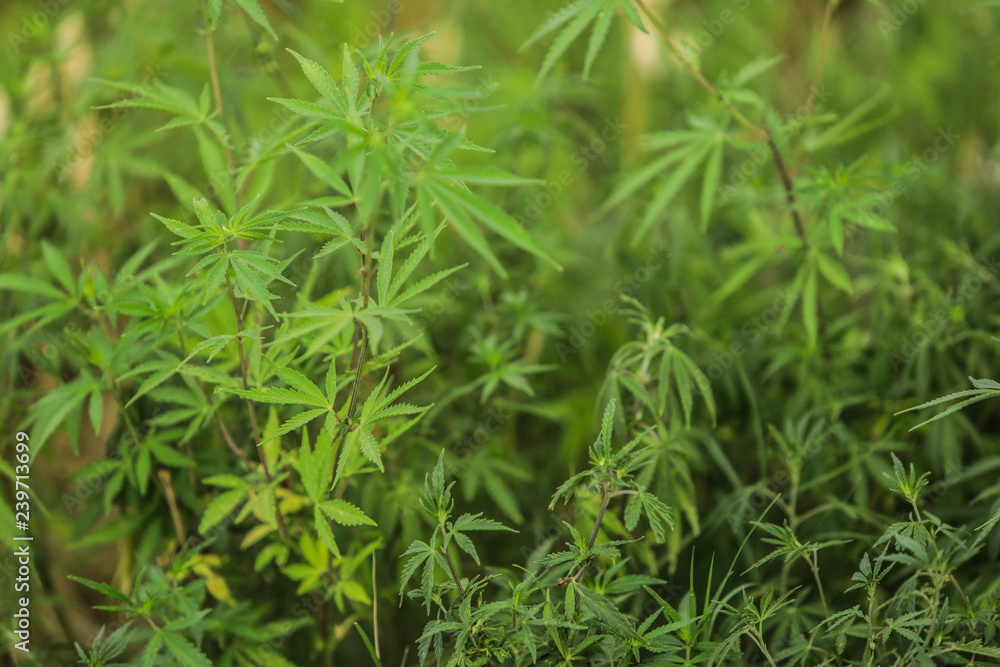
254, 11
344, 513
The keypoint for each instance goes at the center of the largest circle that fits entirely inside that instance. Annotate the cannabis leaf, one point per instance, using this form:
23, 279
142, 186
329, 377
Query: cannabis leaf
572, 20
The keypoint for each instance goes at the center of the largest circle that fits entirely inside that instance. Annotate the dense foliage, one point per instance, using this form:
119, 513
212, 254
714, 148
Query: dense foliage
471, 333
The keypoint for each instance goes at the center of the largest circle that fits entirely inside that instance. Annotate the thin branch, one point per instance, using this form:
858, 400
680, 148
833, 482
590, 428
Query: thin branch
175, 513
454, 573
760, 132
378, 653
824, 46
786, 181
213, 69
513, 626
136, 438
218, 420
593, 533
360, 349
760, 645
244, 373
814, 566
691, 67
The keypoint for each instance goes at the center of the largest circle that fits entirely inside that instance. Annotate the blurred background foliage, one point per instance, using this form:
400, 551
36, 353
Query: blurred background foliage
918, 319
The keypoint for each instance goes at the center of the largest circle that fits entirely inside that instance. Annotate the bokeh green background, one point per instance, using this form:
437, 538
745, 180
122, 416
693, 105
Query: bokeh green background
86, 181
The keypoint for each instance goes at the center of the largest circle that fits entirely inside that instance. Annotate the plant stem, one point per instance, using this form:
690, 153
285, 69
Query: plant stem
213, 69
705, 83
760, 645
360, 349
513, 625
814, 566
378, 653
871, 628
786, 181
824, 46
218, 420
759, 132
597, 528
961, 593
454, 573
244, 372
136, 438
175, 513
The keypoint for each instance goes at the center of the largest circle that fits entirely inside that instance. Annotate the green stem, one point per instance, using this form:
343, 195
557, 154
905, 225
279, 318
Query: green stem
213, 69
244, 373
871, 629
760, 645
786, 181
597, 528
454, 573
814, 566
691, 67
824, 46
136, 438
360, 350
208, 398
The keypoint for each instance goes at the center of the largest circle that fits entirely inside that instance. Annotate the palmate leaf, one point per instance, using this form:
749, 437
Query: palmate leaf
421, 554
324, 321
315, 467
18, 283
670, 186
322, 81
324, 172
572, 20
254, 11
344, 513
461, 205
687, 377
58, 267
658, 513
300, 391
600, 453
462, 223
110, 591
346, 112
566, 489
985, 389
184, 651
470, 522
161, 97
686, 151
62, 405
409, 266
377, 407
252, 271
